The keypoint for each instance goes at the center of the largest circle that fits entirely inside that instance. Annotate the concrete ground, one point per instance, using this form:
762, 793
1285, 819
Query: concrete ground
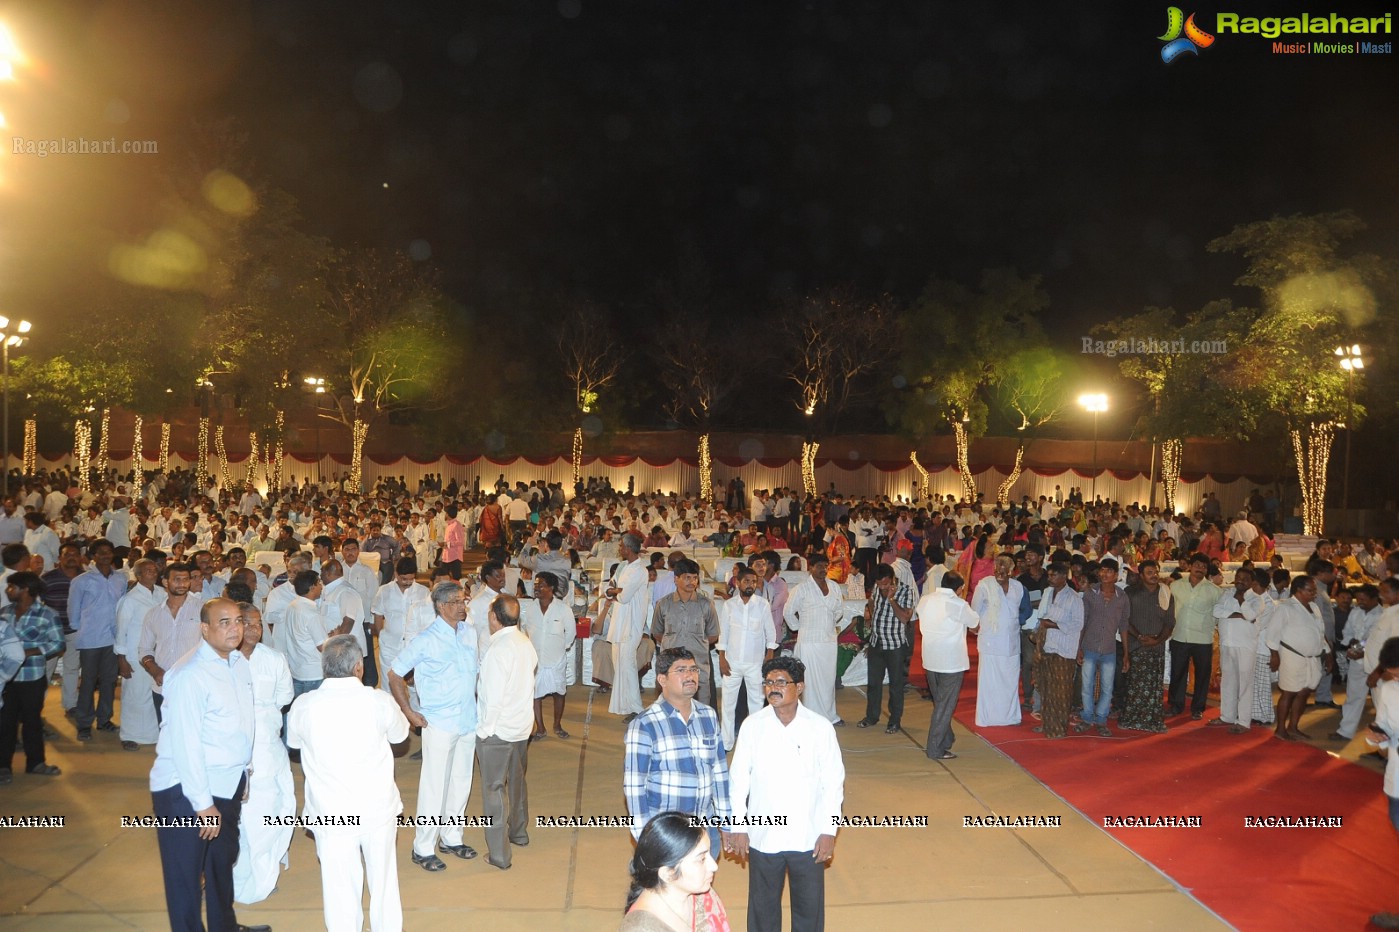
93, 874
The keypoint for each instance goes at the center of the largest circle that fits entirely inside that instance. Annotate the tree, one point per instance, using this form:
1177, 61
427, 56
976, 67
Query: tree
382, 335
954, 349
837, 341
592, 356
1182, 381
1031, 387
1285, 373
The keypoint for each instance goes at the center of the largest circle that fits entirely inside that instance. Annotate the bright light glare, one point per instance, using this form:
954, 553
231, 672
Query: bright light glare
1094, 401
25, 326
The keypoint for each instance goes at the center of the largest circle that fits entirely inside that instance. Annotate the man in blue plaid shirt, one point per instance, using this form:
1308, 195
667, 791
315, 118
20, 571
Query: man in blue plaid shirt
674, 757
41, 637
890, 610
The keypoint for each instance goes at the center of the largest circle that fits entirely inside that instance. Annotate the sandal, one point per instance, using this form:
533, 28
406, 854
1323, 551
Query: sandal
892, 730
44, 770
1104, 731
430, 862
560, 733
866, 722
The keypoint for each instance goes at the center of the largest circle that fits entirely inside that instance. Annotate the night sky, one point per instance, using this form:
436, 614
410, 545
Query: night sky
587, 147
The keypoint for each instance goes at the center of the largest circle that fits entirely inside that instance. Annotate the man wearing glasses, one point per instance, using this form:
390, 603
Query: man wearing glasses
787, 769
201, 769
444, 664
674, 756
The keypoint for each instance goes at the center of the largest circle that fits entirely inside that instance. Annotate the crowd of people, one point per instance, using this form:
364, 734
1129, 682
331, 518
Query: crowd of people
237, 665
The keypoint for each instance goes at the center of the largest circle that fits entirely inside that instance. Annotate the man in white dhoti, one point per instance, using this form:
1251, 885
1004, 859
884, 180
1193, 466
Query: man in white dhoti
997, 602
816, 611
139, 724
626, 626
262, 848
1297, 641
390, 610
424, 549
745, 642
550, 627
344, 730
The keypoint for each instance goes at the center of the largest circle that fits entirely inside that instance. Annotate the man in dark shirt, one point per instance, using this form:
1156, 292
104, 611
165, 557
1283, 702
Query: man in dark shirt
1105, 617
385, 546
1034, 581
56, 582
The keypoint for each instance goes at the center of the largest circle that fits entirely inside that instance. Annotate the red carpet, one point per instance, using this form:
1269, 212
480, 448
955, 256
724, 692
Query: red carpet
1255, 878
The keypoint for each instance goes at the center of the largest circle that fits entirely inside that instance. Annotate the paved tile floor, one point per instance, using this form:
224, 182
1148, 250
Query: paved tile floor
95, 875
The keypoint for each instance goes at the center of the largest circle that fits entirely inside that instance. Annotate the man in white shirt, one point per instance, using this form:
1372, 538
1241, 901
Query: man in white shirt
627, 623
304, 632
340, 605
169, 630
139, 724
506, 701
1364, 614
788, 769
478, 611
816, 611
745, 642
41, 539
550, 626
344, 731
1297, 640
365, 582
1238, 613
390, 610
944, 619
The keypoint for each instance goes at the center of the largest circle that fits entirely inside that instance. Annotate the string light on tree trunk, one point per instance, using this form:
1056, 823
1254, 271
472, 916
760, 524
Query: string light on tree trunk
1172, 453
964, 469
201, 467
82, 452
577, 455
254, 461
138, 463
1311, 445
102, 444
274, 482
31, 450
706, 472
809, 466
165, 447
360, 431
1008, 483
924, 489
223, 458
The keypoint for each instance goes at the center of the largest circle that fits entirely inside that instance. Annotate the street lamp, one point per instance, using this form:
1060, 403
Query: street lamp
1097, 402
316, 385
1351, 359
9, 339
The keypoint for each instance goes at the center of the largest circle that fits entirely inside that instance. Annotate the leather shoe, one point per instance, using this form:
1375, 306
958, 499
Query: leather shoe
503, 867
261, 928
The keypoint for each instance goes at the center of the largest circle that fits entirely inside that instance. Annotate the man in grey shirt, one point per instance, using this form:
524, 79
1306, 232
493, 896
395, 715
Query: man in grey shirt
687, 619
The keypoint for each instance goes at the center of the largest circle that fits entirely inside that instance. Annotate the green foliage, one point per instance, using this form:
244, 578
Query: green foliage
955, 348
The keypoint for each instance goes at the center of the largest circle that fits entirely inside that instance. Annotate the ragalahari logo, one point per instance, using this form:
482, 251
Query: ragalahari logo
1177, 44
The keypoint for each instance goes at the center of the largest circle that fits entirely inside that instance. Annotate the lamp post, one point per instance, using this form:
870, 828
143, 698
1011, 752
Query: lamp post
7, 340
1097, 402
1351, 360
316, 385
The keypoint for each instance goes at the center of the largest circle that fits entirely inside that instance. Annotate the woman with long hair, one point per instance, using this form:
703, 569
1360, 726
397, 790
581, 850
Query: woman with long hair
976, 563
672, 879
492, 527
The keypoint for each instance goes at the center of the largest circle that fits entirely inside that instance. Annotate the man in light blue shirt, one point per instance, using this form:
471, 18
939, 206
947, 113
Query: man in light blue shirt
444, 663
202, 758
92, 612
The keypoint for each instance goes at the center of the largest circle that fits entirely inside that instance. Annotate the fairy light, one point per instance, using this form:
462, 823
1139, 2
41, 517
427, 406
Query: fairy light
809, 466
201, 467
959, 434
102, 444
1003, 490
577, 455
138, 465
31, 452
222, 452
253, 461
706, 477
165, 447
1172, 453
1312, 448
274, 483
82, 452
361, 433
924, 483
